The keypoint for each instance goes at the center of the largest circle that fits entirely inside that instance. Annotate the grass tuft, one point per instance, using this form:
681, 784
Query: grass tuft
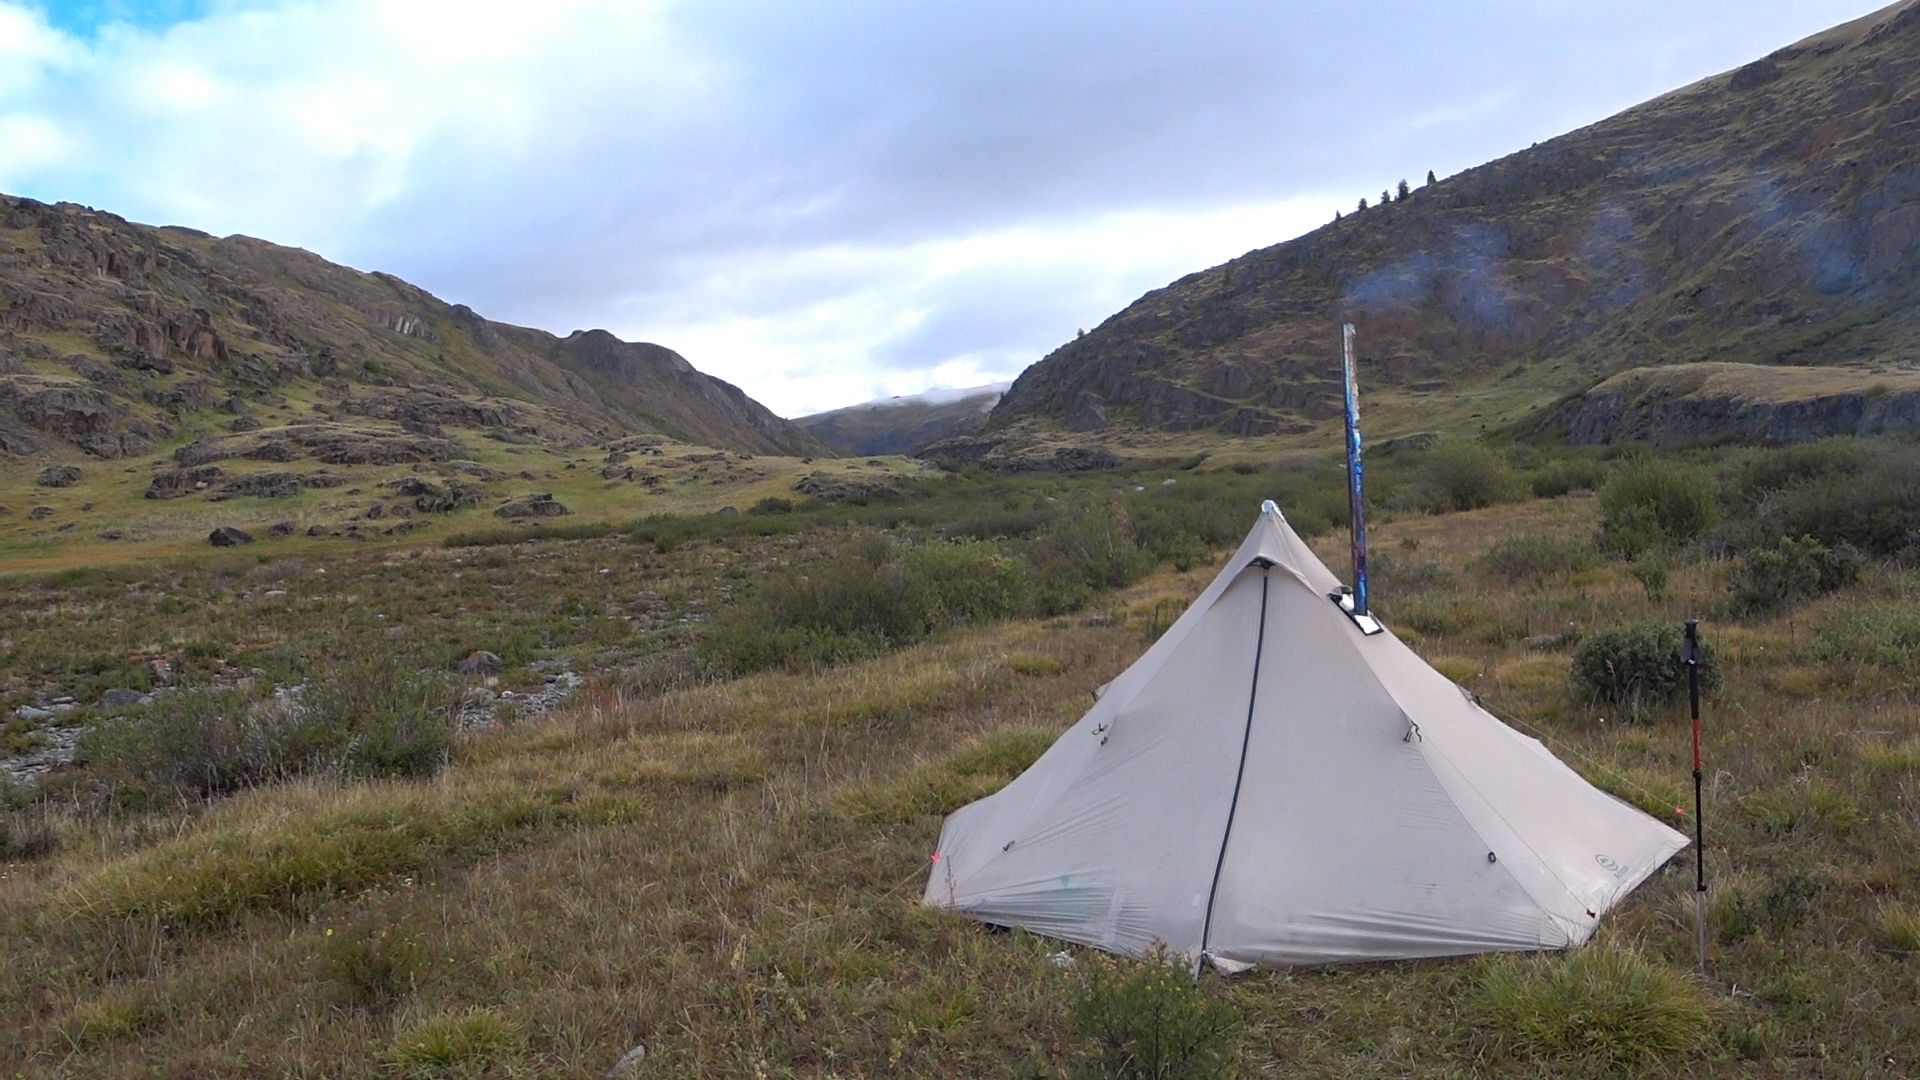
1599, 1004
452, 1043
938, 788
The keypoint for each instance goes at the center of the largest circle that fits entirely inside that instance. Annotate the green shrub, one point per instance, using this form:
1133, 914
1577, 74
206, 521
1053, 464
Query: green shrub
372, 962
851, 606
1464, 476
772, 504
1650, 502
376, 715
1597, 1004
1637, 667
27, 834
1790, 466
1531, 557
1572, 474
1739, 909
1147, 1019
1876, 510
1792, 570
207, 741
1884, 633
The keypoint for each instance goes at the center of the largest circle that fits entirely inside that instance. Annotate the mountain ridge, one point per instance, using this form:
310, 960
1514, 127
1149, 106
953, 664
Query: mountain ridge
1766, 215
905, 424
116, 338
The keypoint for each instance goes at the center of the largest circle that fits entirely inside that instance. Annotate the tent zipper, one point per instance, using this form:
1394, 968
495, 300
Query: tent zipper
1246, 737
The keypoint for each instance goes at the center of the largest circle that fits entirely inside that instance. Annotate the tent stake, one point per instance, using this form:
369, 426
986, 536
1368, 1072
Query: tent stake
1356, 499
1690, 653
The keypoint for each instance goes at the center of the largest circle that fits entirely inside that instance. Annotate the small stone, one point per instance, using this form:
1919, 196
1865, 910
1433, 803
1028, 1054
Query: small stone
58, 476
119, 698
480, 662
271, 593
228, 536
316, 530
39, 513
113, 534
28, 712
629, 1064
282, 528
64, 699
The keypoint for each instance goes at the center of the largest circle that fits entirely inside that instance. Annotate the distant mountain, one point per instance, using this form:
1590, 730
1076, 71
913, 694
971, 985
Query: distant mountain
1768, 216
117, 337
903, 425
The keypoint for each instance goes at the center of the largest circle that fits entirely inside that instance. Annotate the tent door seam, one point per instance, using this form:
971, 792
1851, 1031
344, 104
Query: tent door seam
1240, 775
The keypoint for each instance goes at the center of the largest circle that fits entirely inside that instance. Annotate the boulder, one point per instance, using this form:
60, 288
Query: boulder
282, 528
58, 476
532, 506
176, 483
228, 536
480, 662
120, 697
40, 513
829, 488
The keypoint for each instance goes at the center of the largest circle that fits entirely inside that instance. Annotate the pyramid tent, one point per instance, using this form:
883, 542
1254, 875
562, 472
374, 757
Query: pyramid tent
1271, 785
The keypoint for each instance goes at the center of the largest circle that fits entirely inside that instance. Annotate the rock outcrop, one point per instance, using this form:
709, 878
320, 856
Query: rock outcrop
1694, 404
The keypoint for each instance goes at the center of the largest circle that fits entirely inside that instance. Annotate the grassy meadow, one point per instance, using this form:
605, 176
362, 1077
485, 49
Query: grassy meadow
717, 848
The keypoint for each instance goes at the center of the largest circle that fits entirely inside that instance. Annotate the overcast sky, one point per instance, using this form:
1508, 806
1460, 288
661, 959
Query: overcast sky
823, 202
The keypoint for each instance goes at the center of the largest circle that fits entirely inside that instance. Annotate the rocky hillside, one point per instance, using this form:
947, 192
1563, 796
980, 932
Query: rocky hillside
1766, 216
117, 337
904, 425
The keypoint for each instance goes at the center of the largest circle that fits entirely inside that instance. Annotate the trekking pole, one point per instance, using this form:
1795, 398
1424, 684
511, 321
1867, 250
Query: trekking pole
1690, 655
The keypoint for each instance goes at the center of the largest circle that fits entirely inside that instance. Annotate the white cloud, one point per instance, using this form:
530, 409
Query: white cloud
821, 202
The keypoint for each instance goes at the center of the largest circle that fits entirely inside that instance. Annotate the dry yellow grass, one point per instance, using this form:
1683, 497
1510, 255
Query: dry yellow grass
729, 875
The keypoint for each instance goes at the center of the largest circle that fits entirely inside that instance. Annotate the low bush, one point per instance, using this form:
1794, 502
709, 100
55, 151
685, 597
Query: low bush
861, 604
1775, 470
1883, 633
1875, 510
26, 834
377, 715
1650, 502
1638, 667
1740, 908
1570, 474
1533, 557
1606, 1006
206, 741
1463, 476
1792, 570
1148, 1020
371, 962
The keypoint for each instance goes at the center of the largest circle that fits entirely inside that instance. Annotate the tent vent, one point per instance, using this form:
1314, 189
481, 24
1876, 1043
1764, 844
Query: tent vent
1491, 857
1368, 625
1413, 732
1008, 846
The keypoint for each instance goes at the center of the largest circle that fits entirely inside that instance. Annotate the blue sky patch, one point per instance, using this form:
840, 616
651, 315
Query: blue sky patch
84, 18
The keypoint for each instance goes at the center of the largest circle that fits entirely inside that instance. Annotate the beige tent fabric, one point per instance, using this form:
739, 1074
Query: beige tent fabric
1268, 785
